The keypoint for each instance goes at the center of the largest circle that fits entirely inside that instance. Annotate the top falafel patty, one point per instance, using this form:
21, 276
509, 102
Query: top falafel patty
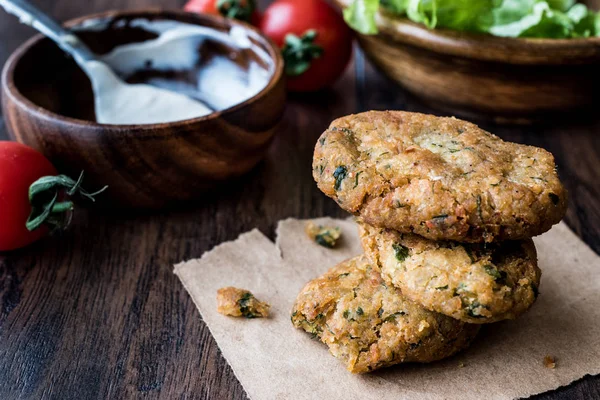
441, 178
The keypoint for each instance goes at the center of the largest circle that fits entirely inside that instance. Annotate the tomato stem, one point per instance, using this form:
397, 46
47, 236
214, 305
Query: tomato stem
238, 9
63, 207
45, 207
299, 52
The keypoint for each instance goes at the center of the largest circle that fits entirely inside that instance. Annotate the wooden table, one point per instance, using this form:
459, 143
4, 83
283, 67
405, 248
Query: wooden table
98, 312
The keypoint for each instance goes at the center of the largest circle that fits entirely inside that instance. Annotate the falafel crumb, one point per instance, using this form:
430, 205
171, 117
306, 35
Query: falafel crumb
240, 303
325, 236
550, 362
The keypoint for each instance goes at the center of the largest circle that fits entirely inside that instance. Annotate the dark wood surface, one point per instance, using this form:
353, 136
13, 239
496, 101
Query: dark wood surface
98, 313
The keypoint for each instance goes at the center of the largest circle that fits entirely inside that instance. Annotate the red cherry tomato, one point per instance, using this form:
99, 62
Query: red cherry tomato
333, 36
20, 166
244, 10
202, 6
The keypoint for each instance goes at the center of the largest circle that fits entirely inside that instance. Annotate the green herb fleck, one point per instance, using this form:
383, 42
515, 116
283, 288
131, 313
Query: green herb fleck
441, 216
441, 287
380, 312
453, 150
343, 275
461, 287
356, 179
314, 330
397, 204
473, 309
401, 252
499, 276
392, 317
471, 313
323, 235
346, 314
245, 307
339, 174
329, 329
359, 311
555, 199
328, 237
322, 141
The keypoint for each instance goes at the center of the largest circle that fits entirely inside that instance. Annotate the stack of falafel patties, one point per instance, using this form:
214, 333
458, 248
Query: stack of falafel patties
446, 212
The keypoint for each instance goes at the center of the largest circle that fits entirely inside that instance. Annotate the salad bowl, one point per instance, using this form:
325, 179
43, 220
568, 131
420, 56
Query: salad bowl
506, 80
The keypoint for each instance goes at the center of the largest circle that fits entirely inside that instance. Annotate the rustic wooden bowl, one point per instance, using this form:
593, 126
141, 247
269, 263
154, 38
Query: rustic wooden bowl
48, 104
503, 79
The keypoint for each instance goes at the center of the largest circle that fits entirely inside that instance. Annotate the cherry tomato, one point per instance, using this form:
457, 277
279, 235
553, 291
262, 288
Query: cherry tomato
20, 166
313, 24
244, 10
202, 6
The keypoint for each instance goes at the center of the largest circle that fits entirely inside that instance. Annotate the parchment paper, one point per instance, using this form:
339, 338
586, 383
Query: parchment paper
273, 360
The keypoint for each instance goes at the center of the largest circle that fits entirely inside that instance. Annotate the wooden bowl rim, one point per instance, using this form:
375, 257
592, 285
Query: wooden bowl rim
494, 48
19, 99
486, 47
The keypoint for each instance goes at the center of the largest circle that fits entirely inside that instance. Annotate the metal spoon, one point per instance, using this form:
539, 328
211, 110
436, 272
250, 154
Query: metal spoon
116, 102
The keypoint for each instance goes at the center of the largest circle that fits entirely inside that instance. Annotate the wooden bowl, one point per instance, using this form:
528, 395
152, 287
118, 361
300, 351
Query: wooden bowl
503, 79
48, 105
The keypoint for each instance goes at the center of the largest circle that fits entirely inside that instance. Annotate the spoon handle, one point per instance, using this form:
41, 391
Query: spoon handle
34, 17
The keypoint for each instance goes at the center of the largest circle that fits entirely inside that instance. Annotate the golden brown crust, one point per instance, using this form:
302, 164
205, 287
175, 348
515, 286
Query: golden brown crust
441, 178
476, 283
369, 325
240, 303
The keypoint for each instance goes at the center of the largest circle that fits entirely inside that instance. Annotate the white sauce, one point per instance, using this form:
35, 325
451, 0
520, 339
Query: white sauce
221, 83
119, 103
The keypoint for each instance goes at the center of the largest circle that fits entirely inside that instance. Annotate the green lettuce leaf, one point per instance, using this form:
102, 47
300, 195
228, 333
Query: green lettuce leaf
507, 18
465, 15
561, 5
360, 16
469, 15
587, 23
539, 20
395, 6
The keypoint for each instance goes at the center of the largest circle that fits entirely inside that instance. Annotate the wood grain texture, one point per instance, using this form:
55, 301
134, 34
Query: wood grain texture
144, 165
97, 313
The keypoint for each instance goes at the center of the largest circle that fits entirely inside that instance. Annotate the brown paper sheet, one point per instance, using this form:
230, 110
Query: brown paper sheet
273, 360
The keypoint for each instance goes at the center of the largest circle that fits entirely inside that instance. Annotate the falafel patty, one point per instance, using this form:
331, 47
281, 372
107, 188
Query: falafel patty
472, 282
369, 325
441, 178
